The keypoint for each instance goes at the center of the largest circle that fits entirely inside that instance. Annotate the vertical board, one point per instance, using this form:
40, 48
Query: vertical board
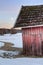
33, 40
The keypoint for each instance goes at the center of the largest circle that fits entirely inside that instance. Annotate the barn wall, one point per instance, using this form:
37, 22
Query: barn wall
33, 41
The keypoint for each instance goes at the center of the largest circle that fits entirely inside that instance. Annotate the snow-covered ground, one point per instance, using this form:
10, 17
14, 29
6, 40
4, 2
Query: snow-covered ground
21, 61
9, 54
1, 44
16, 39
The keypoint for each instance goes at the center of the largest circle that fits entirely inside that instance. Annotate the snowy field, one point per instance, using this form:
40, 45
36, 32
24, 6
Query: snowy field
16, 39
8, 54
21, 61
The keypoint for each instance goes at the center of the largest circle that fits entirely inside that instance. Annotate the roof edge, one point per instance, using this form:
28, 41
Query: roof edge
29, 26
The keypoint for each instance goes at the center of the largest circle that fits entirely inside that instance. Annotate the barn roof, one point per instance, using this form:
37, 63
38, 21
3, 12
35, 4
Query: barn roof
30, 16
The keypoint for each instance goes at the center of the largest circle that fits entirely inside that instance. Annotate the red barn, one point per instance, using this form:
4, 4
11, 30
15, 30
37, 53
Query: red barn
30, 20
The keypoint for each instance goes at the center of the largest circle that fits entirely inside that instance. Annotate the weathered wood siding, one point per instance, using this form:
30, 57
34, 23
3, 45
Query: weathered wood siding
33, 40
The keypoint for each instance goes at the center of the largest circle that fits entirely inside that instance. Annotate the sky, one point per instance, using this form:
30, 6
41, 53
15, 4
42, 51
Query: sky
9, 10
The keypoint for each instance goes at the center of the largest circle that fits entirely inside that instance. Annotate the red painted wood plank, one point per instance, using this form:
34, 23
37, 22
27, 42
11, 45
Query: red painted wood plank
32, 40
